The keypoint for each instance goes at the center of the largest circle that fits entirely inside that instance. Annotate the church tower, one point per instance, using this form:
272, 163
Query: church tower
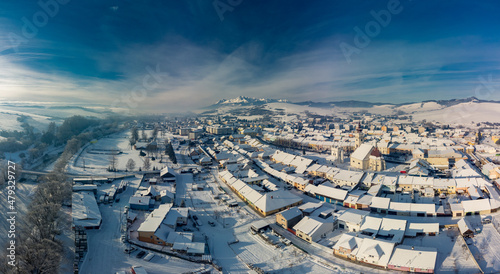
358, 136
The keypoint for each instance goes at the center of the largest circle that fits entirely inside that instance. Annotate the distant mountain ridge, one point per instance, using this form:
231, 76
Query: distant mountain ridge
249, 101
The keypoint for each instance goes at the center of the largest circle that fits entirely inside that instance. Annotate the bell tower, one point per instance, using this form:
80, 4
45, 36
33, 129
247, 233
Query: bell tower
358, 136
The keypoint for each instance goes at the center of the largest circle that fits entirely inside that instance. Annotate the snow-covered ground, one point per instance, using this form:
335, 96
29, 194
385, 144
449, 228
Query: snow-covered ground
234, 224
106, 251
485, 247
299, 109
40, 114
463, 113
96, 156
453, 256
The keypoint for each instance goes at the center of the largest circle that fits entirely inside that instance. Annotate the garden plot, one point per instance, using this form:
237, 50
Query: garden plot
453, 255
485, 247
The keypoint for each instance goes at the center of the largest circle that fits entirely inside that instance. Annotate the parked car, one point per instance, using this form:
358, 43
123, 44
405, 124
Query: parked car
486, 221
195, 217
140, 254
211, 223
129, 250
149, 257
123, 239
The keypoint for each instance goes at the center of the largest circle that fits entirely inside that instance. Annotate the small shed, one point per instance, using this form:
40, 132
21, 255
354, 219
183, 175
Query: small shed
465, 228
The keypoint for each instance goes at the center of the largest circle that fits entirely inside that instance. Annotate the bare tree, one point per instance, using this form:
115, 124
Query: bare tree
147, 164
130, 165
39, 256
3, 174
131, 142
155, 133
113, 162
43, 220
135, 134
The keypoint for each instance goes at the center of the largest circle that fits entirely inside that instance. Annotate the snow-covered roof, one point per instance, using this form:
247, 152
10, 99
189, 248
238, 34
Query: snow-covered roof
291, 213
365, 200
375, 251
476, 205
174, 214
167, 172
349, 176
276, 200
330, 192
464, 225
314, 226
179, 237
380, 202
192, 248
309, 207
348, 241
85, 211
400, 207
417, 257
139, 200
371, 225
362, 152
413, 228
422, 208
456, 207
393, 227
250, 194
353, 216
154, 219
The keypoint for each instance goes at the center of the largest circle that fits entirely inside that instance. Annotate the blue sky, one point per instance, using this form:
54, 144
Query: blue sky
177, 55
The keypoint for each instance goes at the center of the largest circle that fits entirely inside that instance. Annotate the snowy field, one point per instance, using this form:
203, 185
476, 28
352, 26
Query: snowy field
453, 256
464, 113
40, 114
486, 247
299, 109
96, 156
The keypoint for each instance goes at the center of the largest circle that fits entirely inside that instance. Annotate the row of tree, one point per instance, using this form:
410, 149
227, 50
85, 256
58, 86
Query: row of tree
169, 150
38, 249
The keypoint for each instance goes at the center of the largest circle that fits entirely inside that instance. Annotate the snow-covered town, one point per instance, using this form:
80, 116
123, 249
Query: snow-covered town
233, 136
323, 195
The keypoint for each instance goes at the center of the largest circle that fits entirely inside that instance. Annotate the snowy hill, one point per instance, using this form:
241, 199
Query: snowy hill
246, 101
40, 114
447, 111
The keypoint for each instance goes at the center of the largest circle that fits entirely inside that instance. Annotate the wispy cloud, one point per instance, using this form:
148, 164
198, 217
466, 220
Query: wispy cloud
253, 52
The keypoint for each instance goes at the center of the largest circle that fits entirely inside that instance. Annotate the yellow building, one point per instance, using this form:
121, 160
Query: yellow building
367, 157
